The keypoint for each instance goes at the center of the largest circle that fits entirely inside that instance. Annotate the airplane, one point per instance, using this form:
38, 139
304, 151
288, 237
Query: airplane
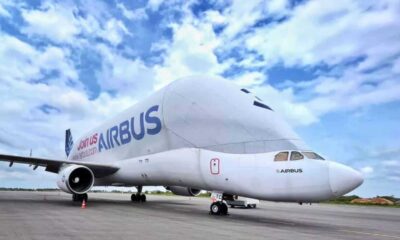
199, 133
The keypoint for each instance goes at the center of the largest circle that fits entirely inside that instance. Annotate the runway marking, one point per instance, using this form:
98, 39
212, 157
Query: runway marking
371, 234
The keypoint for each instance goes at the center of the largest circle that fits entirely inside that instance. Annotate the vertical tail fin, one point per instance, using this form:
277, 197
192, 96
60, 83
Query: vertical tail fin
69, 143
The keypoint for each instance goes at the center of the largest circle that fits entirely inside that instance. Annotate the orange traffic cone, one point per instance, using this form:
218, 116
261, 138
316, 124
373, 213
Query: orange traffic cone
84, 203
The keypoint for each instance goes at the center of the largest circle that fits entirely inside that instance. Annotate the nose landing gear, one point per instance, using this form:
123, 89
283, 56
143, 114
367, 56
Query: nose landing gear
219, 207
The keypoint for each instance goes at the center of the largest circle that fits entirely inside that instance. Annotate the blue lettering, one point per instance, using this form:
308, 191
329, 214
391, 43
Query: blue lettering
126, 131
114, 135
102, 144
124, 134
108, 139
153, 120
140, 135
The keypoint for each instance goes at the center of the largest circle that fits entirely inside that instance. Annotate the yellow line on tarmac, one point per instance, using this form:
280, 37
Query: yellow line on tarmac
371, 234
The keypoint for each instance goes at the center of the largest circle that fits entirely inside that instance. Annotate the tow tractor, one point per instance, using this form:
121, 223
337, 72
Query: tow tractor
239, 201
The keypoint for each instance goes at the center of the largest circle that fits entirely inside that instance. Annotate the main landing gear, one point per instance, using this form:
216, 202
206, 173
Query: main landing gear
138, 197
79, 197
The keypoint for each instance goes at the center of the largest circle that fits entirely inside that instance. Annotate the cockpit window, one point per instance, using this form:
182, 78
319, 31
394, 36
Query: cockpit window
313, 155
258, 102
262, 105
296, 156
282, 156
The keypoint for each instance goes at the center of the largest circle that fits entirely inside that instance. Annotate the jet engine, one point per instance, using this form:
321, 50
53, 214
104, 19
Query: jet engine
183, 191
75, 179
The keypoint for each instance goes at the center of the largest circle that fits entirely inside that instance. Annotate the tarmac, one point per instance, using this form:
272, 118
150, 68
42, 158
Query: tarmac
52, 215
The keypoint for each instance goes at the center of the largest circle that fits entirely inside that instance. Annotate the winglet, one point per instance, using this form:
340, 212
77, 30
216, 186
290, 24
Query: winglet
69, 143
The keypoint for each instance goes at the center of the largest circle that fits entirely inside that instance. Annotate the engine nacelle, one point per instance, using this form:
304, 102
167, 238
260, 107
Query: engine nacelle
183, 191
75, 179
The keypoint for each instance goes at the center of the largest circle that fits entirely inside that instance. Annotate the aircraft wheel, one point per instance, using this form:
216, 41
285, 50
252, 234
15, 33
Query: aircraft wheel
134, 198
142, 198
215, 208
224, 209
84, 197
79, 197
75, 197
218, 208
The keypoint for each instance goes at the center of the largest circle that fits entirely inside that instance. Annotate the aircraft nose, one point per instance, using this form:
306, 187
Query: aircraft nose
343, 179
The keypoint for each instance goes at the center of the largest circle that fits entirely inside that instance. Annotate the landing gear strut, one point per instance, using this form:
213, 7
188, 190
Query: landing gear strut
79, 197
138, 197
218, 207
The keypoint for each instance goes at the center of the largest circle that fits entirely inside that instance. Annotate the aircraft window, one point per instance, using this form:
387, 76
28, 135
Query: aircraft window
245, 90
282, 156
313, 155
258, 104
296, 156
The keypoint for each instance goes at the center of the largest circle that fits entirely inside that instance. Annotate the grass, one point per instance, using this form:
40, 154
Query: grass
346, 200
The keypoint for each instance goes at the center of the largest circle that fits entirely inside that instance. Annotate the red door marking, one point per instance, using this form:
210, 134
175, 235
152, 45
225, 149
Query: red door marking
214, 166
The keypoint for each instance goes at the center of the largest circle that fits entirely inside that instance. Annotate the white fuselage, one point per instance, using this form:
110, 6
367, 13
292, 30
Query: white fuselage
251, 175
208, 134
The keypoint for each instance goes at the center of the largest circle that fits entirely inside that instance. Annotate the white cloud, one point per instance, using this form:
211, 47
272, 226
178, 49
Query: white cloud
189, 55
215, 17
23, 92
61, 23
392, 163
114, 31
137, 14
54, 21
250, 79
124, 75
283, 102
4, 12
396, 66
329, 32
154, 4
353, 90
367, 170
241, 15
21, 61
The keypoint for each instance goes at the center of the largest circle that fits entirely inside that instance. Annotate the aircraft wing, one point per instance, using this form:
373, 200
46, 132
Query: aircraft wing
53, 165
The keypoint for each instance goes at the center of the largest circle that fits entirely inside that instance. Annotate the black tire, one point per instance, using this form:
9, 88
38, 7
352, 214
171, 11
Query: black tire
79, 197
85, 197
248, 206
224, 209
254, 206
134, 198
142, 198
215, 208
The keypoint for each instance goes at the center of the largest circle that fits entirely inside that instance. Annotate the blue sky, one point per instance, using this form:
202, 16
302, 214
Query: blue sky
330, 68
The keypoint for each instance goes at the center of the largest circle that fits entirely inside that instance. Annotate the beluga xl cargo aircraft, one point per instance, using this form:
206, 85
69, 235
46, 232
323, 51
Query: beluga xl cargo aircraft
199, 133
